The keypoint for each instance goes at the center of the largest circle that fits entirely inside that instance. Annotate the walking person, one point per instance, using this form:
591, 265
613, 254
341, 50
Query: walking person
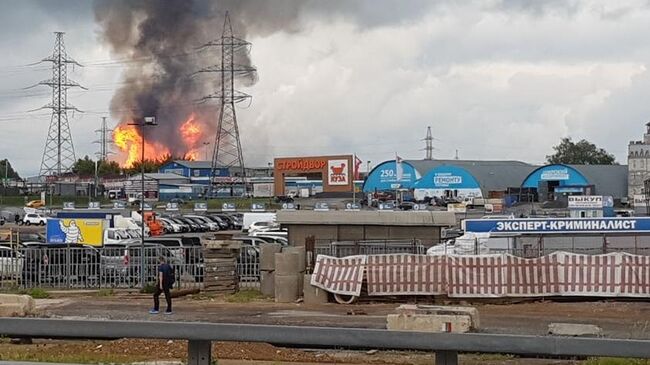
166, 278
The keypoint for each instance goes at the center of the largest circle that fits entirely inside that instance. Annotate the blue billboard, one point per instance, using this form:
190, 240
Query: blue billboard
447, 177
558, 225
384, 177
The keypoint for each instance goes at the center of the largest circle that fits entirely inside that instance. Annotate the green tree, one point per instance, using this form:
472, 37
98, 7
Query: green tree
86, 167
11, 173
580, 153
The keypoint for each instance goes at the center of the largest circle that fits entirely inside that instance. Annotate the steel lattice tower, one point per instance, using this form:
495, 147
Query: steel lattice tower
58, 156
104, 141
429, 145
227, 151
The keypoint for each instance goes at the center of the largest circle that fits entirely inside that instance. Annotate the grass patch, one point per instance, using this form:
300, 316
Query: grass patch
105, 293
616, 361
245, 296
149, 288
36, 293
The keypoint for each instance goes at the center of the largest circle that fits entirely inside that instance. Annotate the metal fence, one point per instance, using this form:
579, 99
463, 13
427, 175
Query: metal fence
368, 247
115, 266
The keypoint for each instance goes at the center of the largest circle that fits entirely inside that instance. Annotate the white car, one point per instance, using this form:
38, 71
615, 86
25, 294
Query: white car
175, 227
33, 218
262, 226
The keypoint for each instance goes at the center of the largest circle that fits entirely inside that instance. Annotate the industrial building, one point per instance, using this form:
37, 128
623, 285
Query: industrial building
512, 180
331, 226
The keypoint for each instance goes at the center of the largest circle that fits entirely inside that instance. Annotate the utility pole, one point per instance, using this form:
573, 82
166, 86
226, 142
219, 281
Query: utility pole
205, 146
104, 141
58, 155
142, 123
429, 144
227, 146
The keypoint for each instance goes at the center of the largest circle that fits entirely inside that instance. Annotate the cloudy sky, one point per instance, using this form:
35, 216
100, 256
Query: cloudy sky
494, 79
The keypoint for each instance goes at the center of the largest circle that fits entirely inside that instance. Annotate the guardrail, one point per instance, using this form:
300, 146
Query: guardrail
445, 345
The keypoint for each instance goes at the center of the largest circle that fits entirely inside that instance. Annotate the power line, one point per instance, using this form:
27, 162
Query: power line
227, 146
58, 155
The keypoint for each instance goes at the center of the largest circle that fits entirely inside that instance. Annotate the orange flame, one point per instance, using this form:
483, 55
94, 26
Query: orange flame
128, 139
191, 131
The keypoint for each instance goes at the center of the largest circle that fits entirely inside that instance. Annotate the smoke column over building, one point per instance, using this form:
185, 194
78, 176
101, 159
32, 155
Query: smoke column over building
157, 41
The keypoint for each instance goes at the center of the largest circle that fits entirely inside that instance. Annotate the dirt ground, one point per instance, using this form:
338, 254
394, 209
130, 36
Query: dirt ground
618, 320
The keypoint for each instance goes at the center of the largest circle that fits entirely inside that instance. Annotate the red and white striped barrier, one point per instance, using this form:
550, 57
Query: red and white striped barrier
339, 275
487, 276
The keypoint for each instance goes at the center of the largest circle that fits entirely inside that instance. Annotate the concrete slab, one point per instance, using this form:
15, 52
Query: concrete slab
429, 323
411, 309
574, 330
287, 263
312, 294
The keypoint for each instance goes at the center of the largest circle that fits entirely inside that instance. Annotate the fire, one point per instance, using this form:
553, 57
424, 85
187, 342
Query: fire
193, 155
128, 139
191, 131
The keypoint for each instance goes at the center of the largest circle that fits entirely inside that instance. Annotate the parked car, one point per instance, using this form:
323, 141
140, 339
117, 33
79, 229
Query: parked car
274, 239
205, 222
35, 204
171, 226
33, 218
60, 264
261, 226
223, 223
194, 226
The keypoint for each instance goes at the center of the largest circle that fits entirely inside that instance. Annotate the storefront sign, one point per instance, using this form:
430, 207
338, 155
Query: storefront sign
301, 164
337, 172
228, 207
457, 208
554, 175
171, 207
585, 202
200, 207
558, 225
640, 200
446, 179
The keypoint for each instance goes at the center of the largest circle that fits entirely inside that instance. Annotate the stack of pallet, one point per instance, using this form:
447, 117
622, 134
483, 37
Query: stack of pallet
220, 266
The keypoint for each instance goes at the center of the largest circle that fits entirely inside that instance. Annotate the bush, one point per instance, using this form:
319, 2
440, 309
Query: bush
37, 293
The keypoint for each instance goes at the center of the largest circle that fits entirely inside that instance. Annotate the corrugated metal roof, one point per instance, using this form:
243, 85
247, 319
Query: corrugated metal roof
491, 175
160, 176
195, 164
608, 179
368, 217
500, 175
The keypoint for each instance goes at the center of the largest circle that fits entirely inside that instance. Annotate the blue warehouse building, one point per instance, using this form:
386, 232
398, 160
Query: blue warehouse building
197, 171
513, 180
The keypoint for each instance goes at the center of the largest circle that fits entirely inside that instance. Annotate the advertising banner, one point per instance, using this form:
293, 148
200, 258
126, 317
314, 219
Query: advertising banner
559, 225
585, 202
337, 172
75, 231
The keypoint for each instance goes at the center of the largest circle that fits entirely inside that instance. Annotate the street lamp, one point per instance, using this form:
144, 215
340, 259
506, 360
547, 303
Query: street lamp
142, 123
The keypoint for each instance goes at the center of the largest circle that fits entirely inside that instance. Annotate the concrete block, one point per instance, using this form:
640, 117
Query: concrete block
267, 255
267, 283
286, 288
312, 294
410, 309
12, 310
302, 253
429, 323
287, 263
574, 329
26, 303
